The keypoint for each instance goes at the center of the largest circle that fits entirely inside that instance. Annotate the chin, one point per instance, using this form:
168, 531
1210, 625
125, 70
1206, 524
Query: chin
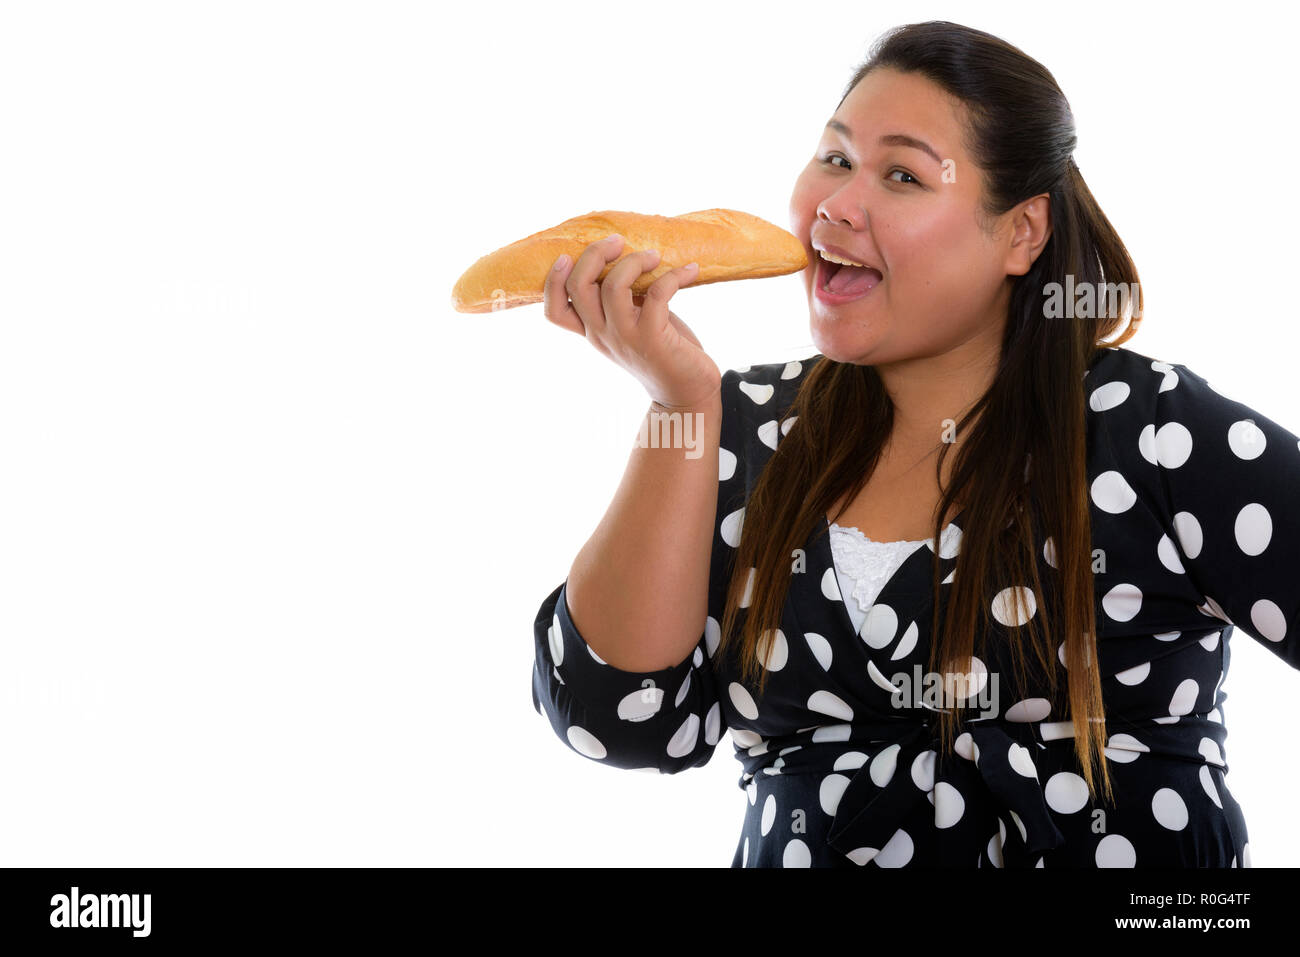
842, 339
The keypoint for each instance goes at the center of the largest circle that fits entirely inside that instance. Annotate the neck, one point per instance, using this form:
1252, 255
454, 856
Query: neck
929, 391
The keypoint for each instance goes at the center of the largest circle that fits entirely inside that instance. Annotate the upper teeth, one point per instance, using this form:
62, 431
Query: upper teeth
836, 259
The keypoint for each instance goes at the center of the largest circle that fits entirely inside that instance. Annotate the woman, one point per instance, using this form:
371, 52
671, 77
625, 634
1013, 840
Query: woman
899, 634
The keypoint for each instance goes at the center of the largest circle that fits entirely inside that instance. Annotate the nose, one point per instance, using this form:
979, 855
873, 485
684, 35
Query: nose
840, 208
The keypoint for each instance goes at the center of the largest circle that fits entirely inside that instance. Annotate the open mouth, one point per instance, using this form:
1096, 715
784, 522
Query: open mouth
839, 282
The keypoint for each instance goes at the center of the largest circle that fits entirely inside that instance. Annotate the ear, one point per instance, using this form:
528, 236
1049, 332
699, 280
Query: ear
1031, 228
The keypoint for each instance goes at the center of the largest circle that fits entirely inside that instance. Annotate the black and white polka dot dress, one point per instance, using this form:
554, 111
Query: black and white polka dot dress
1191, 498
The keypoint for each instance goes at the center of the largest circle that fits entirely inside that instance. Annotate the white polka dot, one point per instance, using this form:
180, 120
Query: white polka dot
751, 791
880, 626
961, 685
1111, 493
744, 857
949, 542
788, 424
555, 638
1245, 854
796, 854
742, 700
1066, 792
683, 741
1167, 635
1005, 608
1253, 528
966, 747
1169, 555
1108, 396
1210, 641
923, 770
949, 805
641, 704
883, 765
712, 634
1169, 809
906, 643
830, 587
994, 848
862, 855
773, 651
1123, 601
1173, 445
878, 677
1021, 761
1147, 444
824, 702
1184, 698
726, 464
1049, 551
849, 761
1135, 675
1246, 440
897, 851
1268, 619
820, 647
767, 433
832, 732
1115, 850
713, 724
584, 742
759, 393
831, 791
792, 369
1188, 530
685, 688
1030, 709
1210, 750
1124, 748
744, 738
1207, 782
730, 527
769, 815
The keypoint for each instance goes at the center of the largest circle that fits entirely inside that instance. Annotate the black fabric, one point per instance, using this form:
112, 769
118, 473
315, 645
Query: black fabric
1190, 499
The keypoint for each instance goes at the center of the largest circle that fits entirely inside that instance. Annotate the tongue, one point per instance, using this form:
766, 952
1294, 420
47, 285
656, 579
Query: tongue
853, 280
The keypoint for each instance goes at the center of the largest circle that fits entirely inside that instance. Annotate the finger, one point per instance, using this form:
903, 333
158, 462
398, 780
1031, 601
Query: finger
616, 290
581, 284
555, 300
654, 311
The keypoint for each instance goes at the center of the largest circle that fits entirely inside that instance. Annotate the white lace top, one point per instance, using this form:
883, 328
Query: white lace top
863, 565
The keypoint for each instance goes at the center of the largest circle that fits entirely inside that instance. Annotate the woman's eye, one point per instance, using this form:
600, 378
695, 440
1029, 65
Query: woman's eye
829, 161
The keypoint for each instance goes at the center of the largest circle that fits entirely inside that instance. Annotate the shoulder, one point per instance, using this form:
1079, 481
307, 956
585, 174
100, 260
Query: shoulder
1161, 398
757, 397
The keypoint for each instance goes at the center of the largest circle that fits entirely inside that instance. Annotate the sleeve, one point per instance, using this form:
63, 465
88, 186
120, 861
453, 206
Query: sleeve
665, 721
1231, 476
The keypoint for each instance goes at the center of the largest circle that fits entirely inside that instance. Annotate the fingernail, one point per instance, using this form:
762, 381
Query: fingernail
562, 262
691, 267
612, 236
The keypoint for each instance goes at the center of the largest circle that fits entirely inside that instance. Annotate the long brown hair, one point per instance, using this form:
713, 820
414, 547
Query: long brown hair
1021, 134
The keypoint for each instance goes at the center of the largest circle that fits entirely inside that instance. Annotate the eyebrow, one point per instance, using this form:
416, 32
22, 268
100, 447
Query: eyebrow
889, 139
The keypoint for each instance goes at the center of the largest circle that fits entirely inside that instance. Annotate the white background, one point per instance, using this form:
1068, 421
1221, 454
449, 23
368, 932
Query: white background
275, 521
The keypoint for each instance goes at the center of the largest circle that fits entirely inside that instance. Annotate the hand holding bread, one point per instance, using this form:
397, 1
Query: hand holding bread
609, 276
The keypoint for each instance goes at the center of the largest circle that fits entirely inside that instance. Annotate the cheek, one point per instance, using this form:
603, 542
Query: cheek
802, 201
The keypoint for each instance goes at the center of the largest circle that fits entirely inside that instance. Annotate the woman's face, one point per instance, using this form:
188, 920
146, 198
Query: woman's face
891, 204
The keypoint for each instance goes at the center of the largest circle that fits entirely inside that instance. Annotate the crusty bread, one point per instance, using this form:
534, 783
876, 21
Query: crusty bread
727, 245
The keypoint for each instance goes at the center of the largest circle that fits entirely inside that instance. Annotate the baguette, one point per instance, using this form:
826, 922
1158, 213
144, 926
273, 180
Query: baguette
726, 244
